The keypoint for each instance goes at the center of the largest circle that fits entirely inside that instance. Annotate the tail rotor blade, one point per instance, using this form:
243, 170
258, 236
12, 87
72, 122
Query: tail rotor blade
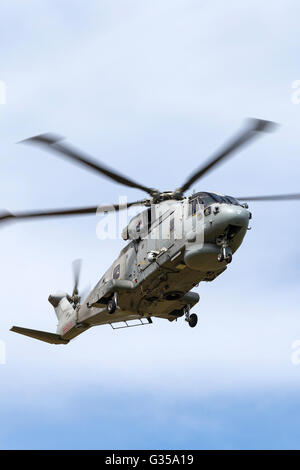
77, 263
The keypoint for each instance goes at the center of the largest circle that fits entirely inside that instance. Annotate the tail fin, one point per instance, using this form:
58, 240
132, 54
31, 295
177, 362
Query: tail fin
61, 305
51, 338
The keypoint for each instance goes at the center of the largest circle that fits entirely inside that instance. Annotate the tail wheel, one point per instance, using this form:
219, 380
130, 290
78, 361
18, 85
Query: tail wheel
111, 306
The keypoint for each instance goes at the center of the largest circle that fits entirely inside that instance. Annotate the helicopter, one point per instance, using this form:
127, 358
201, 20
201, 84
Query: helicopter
175, 243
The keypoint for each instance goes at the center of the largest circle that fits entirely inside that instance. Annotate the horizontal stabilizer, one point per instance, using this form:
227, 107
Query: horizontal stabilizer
41, 335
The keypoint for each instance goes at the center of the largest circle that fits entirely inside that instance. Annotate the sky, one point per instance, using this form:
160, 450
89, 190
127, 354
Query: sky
151, 88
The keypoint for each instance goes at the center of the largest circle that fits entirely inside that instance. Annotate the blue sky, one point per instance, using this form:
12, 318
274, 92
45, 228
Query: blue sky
151, 88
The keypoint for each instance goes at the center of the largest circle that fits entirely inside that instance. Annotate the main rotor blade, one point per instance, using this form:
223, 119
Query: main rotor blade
6, 216
253, 129
54, 143
278, 197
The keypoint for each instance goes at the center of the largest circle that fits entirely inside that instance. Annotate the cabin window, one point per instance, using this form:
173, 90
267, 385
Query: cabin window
116, 272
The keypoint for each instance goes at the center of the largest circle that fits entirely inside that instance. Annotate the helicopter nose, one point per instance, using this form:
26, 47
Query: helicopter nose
225, 218
221, 222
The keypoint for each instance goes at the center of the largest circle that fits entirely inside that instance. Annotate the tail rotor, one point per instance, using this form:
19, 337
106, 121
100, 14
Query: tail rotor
75, 298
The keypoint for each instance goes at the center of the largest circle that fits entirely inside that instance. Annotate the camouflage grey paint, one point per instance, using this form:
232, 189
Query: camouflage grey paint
153, 275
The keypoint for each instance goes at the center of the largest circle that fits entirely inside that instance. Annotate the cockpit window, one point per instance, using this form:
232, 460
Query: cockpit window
233, 200
207, 199
219, 199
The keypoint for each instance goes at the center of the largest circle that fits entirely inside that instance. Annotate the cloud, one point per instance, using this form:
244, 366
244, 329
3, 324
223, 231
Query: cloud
151, 90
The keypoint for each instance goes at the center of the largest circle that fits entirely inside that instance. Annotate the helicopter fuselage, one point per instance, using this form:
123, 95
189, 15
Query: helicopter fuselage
173, 246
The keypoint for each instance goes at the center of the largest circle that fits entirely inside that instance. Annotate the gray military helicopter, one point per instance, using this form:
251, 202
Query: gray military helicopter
175, 243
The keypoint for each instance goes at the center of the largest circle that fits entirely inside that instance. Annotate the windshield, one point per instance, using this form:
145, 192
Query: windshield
207, 199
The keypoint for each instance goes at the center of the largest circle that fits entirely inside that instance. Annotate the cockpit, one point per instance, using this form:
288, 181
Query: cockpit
207, 199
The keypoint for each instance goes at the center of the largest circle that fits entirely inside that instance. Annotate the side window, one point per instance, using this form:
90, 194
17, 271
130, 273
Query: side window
116, 272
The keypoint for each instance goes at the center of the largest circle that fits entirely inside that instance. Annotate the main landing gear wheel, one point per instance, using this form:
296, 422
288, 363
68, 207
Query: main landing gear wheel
193, 320
111, 306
